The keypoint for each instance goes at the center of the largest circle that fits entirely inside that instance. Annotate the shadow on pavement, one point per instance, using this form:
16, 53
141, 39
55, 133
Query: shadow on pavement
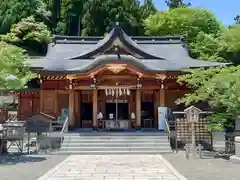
13, 159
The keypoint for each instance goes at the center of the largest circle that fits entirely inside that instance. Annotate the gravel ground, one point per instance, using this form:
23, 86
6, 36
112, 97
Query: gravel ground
28, 167
206, 168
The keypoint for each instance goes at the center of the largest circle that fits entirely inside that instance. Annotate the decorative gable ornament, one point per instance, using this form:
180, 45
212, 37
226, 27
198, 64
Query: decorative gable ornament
116, 68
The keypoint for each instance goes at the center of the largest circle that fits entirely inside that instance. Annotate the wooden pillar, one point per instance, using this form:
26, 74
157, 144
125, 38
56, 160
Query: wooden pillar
162, 95
71, 117
156, 101
102, 103
56, 103
138, 108
41, 96
95, 107
77, 102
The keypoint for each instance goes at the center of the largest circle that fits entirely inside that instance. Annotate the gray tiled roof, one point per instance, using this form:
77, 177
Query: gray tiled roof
81, 54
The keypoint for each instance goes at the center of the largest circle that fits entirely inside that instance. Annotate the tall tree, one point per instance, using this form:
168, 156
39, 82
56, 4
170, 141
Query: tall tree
12, 11
148, 8
195, 25
100, 14
69, 20
230, 43
176, 3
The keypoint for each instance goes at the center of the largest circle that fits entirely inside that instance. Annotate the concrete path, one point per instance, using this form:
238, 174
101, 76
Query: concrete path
113, 167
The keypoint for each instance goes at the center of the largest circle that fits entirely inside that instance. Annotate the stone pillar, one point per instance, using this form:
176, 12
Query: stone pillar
237, 142
138, 108
236, 158
95, 107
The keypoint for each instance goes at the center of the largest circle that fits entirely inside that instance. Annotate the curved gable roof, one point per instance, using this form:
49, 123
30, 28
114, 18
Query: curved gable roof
112, 39
69, 54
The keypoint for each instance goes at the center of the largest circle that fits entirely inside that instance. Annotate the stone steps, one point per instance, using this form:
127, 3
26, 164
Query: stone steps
121, 152
96, 148
115, 143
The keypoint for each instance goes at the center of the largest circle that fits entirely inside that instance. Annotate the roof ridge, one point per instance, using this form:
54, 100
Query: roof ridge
98, 38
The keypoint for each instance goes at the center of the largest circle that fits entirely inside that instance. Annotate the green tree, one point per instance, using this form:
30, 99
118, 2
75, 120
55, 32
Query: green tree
147, 9
29, 34
99, 15
176, 3
220, 87
230, 44
237, 19
69, 19
12, 11
187, 22
14, 72
195, 25
207, 47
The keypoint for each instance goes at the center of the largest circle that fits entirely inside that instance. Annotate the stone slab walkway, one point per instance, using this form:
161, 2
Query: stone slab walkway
113, 167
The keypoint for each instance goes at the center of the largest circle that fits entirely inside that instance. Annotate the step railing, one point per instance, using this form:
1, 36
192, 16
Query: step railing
167, 130
64, 129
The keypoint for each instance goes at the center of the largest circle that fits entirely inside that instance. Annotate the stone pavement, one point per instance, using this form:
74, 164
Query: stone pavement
207, 168
113, 167
27, 167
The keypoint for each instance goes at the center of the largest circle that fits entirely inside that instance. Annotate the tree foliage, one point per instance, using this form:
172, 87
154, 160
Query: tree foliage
188, 22
29, 33
237, 19
176, 3
69, 20
199, 27
12, 11
230, 44
99, 15
220, 87
207, 47
14, 72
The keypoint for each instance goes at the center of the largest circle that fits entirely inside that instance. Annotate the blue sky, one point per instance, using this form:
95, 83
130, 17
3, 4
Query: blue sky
225, 10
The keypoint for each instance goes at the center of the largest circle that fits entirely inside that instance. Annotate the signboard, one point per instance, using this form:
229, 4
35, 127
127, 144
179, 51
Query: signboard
162, 114
192, 114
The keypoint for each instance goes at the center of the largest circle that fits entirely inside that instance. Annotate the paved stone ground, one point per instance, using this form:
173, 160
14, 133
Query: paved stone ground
204, 169
29, 167
113, 167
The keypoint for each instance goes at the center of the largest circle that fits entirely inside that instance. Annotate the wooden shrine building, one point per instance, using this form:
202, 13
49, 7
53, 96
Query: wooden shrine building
120, 76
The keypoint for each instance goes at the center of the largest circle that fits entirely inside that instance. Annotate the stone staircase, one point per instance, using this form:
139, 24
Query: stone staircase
115, 143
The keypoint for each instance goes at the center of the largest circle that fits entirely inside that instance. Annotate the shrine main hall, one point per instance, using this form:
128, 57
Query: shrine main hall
125, 78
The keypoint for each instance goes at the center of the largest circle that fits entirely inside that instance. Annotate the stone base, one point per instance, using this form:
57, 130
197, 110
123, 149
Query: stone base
235, 159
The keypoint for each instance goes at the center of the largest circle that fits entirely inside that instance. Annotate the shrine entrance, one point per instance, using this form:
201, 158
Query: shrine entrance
117, 108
